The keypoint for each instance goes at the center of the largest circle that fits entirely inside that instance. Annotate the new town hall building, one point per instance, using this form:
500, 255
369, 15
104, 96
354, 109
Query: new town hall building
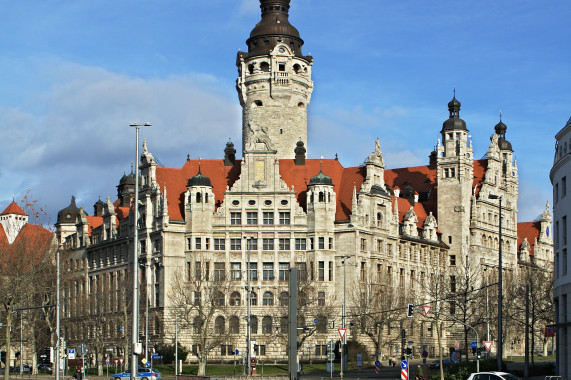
399, 227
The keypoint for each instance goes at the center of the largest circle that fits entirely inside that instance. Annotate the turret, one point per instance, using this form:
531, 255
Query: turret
199, 202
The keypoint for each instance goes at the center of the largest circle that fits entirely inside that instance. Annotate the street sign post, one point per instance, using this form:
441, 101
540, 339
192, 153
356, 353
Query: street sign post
342, 332
404, 370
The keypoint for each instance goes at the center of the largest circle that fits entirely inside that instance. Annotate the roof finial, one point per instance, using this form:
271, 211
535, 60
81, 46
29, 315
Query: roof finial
188, 156
500, 115
454, 92
199, 162
132, 167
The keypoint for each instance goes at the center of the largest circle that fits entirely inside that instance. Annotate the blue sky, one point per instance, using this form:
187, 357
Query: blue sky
74, 74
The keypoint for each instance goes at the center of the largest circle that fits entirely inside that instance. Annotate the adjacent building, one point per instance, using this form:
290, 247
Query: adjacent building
561, 211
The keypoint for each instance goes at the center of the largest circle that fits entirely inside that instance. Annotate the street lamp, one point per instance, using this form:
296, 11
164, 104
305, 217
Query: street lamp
500, 297
487, 315
58, 345
135, 349
343, 318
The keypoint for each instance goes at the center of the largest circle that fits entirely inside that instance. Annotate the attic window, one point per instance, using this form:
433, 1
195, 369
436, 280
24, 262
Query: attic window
284, 202
251, 202
235, 202
281, 67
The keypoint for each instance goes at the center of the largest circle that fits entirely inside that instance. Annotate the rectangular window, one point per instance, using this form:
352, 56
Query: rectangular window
564, 263
268, 272
311, 243
268, 244
302, 271
219, 244
268, 218
207, 271
321, 299
363, 244
219, 272
254, 271
331, 271
564, 230
284, 272
197, 270
453, 284
235, 244
284, 244
284, 218
556, 193
197, 244
321, 270
452, 260
252, 244
556, 235
363, 270
235, 271
188, 244
449, 239
563, 186
330, 243
262, 349
300, 244
557, 264
321, 242
235, 218
207, 243
252, 217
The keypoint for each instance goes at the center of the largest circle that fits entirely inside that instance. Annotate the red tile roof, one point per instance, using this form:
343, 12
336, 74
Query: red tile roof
93, 222
421, 178
3, 237
28, 249
529, 230
13, 208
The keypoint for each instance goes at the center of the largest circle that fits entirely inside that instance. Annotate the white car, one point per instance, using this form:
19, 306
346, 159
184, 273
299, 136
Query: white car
492, 376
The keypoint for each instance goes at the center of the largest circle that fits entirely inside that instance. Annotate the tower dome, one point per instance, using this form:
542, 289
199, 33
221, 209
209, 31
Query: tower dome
454, 122
69, 214
320, 179
501, 129
273, 28
199, 180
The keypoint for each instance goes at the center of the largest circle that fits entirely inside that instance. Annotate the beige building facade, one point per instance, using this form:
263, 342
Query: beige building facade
377, 239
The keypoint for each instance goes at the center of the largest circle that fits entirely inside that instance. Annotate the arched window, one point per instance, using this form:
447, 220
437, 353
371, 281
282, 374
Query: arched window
265, 67
300, 105
379, 219
254, 325
321, 196
253, 299
219, 325
251, 68
496, 243
311, 198
268, 299
490, 242
198, 197
218, 299
296, 68
284, 297
483, 240
197, 325
235, 299
234, 325
267, 325
205, 198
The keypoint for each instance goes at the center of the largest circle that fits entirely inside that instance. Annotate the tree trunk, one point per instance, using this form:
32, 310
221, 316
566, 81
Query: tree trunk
201, 366
8, 348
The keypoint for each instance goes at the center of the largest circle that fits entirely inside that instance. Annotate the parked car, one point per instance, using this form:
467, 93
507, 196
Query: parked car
143, 374
45, 367
436, 364
492, 376
25, 369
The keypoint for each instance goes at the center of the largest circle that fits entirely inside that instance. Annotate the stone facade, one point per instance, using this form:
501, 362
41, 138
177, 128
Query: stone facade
366, 235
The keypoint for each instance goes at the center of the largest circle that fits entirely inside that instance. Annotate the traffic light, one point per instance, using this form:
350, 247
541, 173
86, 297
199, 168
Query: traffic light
409, 310
474, 349
408, 352
255, 349
479, 352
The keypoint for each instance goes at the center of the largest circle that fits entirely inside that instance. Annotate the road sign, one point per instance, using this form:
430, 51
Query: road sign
404, 364
107, 361
144, 360
426, 309
71, 353
147, 364
377, 363
457, 345
410, 342
156, 356
331, 356
488, 345
314, 321
120, 360
236, 352
116, 361
342, 332
474, 344
82, 349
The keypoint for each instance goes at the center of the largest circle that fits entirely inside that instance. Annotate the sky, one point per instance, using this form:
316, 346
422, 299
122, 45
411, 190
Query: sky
75, 74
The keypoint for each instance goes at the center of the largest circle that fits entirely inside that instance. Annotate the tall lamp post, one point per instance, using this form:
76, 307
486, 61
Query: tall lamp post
58, 345
343, 318
135, 347
487, 313
500, 289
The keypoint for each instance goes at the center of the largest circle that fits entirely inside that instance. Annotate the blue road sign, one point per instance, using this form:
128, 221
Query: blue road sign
377, 363
474, 344
147, 364
315, 321
236, 352
404, 364
157, 356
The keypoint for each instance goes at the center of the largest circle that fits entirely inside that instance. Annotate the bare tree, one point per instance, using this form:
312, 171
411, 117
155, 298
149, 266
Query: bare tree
198, 299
